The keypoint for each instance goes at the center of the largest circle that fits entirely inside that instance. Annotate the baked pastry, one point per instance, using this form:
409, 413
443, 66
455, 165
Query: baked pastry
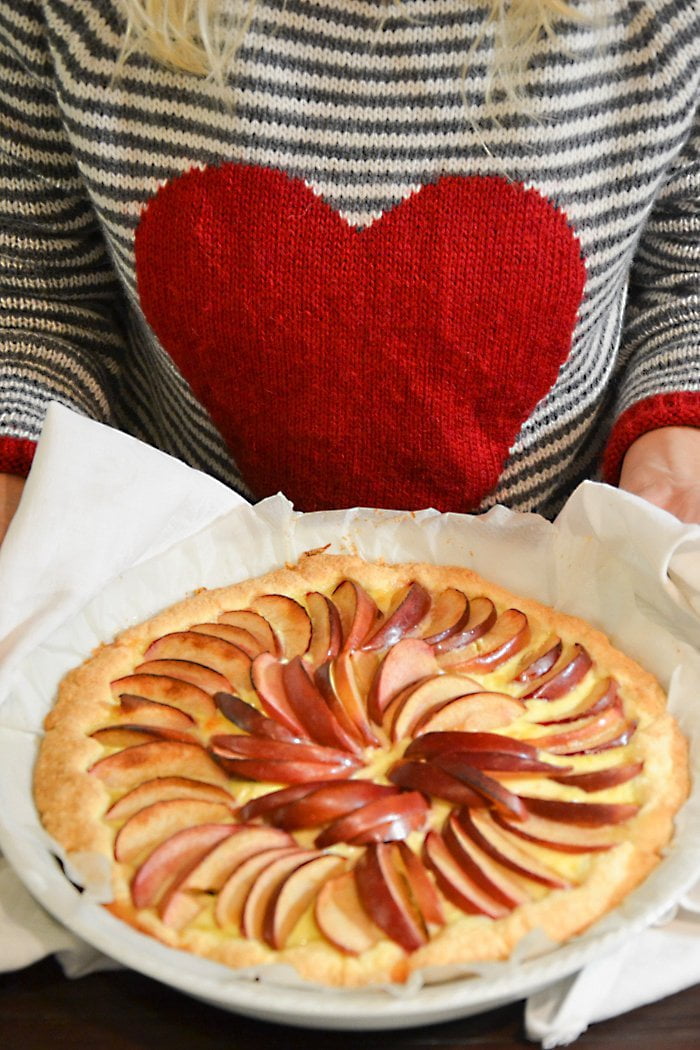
363, 770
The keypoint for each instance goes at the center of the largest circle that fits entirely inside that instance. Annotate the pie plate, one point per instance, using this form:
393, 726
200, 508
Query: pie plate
247, 543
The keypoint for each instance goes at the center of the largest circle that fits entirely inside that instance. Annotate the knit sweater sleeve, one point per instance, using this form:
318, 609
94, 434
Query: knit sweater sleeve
59, 296
660, 384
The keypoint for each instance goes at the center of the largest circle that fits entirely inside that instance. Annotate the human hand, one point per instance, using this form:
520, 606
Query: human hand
10, 491
663, 466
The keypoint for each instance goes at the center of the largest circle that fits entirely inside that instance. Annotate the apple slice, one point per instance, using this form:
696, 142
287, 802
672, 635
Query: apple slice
345, 687
187, 672
289, 621
161, 789
357, 610
289, 771
310, 708
600, 779
161, 758
266, 674
128, 735
212, 871
456, 884
410, 661
508, 636
295, 894
382, 820
585, 733
326, 629
265, 889
494, 840
271, 800
326, 687
228, 910
149, 826
235, 745
482, 617
416, 703
421, 887
386, 898
221, 656
481, 867
449, 614
172, 692
588, 814
434, 782
429, 744
171, 858
540, 664
562, 679
342, 919
603, 695
472, 713
250, 720
254, 624
496, 794
411, 608
236, 635
138, 710
566, 838
327, 802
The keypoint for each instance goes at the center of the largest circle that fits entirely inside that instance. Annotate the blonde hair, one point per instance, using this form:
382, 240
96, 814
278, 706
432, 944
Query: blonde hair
190, 35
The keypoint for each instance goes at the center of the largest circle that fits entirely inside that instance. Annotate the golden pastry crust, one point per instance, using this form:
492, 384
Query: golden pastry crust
174, 739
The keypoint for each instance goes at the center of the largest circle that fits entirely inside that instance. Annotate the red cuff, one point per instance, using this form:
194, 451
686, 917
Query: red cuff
16, 455
662, 410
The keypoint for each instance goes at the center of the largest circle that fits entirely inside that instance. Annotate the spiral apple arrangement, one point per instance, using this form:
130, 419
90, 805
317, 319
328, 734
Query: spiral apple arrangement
375, 770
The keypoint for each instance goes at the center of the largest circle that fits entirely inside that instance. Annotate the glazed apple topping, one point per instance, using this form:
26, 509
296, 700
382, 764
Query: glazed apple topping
369, 764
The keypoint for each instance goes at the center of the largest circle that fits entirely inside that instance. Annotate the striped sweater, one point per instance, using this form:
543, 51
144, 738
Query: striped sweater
355, 275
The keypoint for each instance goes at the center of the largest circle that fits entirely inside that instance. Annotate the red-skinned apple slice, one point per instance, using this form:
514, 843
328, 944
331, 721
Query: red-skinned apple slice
188, 672
310, 708
265, 888
587, 814
410, 661
138, 710
562, 679
326, 687
228, 910
473, 713
566, 838
508, 636
289, 621
481, 867
496, 794
482, 617
327, 802
600, 779
421, 887
455, 883
213, 870
326, 629
293, 771
266, 673
233, 745
132, 735
412, 607
449, 614
492, 839
416, 702
161, 758
346, 688
586, 733
385, 819
295, 894
256, 625
341, 917
264, 804
153, 824
160, 789
172, 691
603, 695
385, 897
249, 719
434, 782
236, 635
429, 744
171, 858
357, 610
540, 664
215, 653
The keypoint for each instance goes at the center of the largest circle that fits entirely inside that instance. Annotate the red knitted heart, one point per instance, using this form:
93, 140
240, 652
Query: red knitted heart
389, 366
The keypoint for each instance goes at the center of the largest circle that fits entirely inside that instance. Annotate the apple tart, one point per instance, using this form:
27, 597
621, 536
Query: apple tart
362, 770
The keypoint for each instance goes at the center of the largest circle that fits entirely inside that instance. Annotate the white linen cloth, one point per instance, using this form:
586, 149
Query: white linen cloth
55, 559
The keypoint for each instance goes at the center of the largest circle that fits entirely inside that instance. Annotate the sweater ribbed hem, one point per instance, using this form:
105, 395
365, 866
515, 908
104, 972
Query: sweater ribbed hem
16, 455
661, 410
